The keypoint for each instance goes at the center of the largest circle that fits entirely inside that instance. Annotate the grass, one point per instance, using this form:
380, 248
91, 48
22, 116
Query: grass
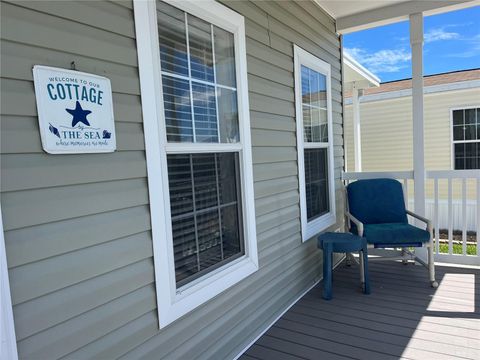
457, 249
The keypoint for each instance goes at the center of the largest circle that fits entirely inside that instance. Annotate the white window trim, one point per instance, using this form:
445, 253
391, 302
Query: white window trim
453, 142
8, 342
309, 229
172, 303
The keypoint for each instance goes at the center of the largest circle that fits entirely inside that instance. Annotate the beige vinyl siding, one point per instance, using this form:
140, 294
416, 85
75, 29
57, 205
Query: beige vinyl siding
386, 131
77, 227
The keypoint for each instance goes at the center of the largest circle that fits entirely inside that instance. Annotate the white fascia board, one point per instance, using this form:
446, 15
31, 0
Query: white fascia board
461, 85
397, 12
361, 72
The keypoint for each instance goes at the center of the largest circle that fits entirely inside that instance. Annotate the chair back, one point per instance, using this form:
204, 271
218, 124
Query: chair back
377, 201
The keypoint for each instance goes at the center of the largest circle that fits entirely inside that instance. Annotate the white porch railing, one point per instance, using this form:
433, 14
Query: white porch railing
466, 177
463, 206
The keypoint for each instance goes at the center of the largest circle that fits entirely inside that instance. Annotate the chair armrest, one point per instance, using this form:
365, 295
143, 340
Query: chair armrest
423, 219
357, 222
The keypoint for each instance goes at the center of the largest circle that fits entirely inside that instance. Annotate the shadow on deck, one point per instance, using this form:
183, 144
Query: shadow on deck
402, 318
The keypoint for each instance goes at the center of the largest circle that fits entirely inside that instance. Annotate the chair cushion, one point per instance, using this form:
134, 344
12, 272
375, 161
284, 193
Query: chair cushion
377, 201
395, 234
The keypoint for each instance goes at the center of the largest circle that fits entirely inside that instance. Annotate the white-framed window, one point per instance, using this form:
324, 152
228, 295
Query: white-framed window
193, 77
465, 123
313, 105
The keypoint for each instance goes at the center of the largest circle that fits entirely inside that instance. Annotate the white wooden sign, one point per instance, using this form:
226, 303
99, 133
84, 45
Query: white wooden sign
75, 111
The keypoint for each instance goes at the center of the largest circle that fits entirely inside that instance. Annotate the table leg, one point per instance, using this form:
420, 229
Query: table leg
327, 272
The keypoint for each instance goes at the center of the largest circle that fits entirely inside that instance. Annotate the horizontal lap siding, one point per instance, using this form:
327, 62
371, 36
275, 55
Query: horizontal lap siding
77, 227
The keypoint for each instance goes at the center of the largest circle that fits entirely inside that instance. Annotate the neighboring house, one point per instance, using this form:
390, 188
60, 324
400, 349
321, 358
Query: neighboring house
186, 242
452, 132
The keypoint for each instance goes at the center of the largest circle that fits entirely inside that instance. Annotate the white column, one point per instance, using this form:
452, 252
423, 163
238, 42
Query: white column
357, 137
416, 42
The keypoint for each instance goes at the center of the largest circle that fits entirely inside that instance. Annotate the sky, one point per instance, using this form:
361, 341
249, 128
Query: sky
451, 42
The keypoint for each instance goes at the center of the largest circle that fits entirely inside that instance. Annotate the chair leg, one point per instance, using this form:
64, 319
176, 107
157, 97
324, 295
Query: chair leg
362, 268
366, 285
404, 256
327, 272
431, 264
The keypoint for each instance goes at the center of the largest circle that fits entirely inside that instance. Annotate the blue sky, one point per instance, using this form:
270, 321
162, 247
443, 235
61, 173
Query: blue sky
452, 42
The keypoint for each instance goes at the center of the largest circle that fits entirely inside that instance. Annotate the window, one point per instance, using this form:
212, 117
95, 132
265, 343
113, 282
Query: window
193, 78
466, 138
315, 143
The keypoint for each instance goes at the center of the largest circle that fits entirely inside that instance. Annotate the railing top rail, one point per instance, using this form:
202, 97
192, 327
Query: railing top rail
453, 174
363, 175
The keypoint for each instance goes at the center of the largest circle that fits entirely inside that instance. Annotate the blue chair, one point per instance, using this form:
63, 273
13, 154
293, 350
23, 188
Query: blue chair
376, 210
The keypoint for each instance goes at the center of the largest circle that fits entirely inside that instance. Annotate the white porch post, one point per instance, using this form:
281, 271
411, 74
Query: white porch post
357, 139
416, 43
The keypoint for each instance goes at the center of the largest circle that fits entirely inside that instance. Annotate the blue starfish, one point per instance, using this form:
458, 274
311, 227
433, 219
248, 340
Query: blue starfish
79, 115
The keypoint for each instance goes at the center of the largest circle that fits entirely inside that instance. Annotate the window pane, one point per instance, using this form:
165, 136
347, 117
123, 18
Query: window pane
470, 132
467, 156
224, 57
172, 39
458, 117
205, 181
314, 88
209, 244
228, 115
226, 166
180, 185
206, 223
459, 163
231, 238
178, 115
470, 116
200, 41
315, 124
314, 99
184, 247
458, 132
205, 111
316, 183
472, 156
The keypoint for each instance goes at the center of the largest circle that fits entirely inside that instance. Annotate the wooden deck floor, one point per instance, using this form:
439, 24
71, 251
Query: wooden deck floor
402, 318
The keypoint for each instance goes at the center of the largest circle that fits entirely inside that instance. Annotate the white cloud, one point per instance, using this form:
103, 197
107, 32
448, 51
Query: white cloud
382, 61
440, 34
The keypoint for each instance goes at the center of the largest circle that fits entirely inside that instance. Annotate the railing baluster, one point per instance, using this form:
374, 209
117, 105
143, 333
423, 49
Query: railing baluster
435, 214
450, 218
464, 213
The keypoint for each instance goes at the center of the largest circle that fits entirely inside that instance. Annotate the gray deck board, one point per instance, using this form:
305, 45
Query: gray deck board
402, 318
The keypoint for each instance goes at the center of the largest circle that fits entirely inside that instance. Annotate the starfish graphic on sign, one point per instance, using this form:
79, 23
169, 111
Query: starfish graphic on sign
79, 115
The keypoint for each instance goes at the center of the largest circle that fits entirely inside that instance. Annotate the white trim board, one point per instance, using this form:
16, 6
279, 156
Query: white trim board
315, 226
173, 302
8, 346
461, 85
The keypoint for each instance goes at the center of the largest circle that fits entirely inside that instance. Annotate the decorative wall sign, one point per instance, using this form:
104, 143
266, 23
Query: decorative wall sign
75, 111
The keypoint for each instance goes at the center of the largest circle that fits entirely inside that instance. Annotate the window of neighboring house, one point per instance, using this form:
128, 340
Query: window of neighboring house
204, 236
466, 138
315, 142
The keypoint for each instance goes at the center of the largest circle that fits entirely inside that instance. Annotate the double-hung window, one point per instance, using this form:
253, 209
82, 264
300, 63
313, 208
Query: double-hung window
193, 78
314, 142
466, 138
